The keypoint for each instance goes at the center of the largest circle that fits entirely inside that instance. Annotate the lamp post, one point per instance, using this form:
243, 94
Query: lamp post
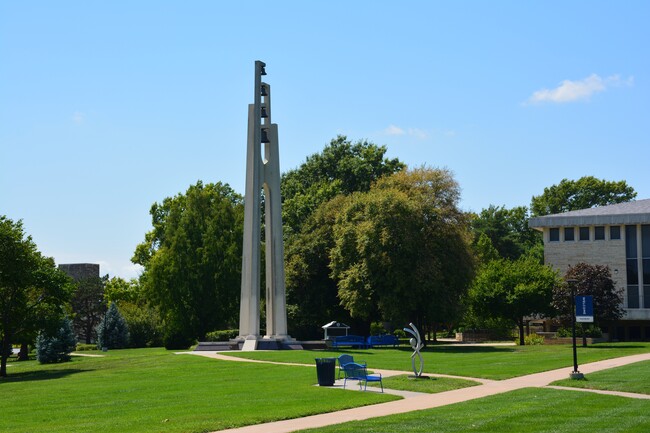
575, 374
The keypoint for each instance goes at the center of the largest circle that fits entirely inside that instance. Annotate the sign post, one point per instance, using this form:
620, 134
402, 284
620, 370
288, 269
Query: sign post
575, 374
585, 309
584, 314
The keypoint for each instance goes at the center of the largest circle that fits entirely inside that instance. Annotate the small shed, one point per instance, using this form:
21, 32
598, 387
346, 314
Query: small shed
335, 325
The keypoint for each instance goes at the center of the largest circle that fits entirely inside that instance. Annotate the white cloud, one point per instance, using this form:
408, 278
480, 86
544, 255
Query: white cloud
581, 90
78, 117
394, 130
417, 133
131, 270
413, 132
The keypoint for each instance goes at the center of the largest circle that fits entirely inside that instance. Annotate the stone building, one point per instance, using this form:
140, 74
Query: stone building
617, 236
81, 271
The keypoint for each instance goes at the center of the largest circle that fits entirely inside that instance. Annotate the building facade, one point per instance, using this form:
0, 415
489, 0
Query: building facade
81, 271
617, 236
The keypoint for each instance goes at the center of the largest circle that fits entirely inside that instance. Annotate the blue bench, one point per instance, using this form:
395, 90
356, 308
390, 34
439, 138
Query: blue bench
358, 372
349, 340
382, 340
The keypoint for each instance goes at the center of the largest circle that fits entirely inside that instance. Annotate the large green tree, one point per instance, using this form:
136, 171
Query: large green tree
311, 200
312, 297
192, 259
402, 250
33, 292
514, 290
342, 167
583, 193
507, 229
88, 306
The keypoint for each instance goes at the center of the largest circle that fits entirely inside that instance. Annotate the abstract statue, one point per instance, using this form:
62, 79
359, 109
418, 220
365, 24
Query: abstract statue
416, 345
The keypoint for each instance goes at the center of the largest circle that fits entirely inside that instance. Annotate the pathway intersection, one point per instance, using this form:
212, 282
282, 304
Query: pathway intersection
413, 401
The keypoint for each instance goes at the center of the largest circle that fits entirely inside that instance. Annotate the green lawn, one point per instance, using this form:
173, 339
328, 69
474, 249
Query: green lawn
629, 378
530, 410
432, 385
489, 362
152, 390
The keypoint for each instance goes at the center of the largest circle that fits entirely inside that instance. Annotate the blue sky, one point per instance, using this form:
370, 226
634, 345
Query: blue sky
108, 107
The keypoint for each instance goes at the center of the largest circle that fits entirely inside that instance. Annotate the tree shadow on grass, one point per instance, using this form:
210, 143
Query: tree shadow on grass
613, 346
32, 376
470, 349
432, 349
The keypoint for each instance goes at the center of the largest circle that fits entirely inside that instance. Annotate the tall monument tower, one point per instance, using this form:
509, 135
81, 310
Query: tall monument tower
262, 173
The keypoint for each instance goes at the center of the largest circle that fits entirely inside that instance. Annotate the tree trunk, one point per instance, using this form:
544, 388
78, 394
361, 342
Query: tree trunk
4, 354
520, 324
23, 355
89, 331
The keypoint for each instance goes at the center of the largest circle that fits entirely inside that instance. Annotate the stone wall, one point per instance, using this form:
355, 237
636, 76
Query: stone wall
607, 252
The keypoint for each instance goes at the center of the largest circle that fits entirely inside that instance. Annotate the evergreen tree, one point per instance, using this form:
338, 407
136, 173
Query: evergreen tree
112, 332
56, 346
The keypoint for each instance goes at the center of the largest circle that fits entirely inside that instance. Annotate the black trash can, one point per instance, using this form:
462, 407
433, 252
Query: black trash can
325, 369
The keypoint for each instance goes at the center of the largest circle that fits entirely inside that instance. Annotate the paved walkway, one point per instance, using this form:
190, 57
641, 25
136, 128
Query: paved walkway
419, 401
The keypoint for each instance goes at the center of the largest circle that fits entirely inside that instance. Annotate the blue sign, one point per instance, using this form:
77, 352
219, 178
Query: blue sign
585, 309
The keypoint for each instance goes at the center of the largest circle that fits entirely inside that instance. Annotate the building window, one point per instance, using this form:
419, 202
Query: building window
631, 267
632, 296
584, 233
630, 242
632, 271
645, 241
599, 233
646, 297
554, 235
569, 234
615, 232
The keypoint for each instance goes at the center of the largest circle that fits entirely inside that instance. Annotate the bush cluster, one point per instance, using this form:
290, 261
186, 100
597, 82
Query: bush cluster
590, 331
222, 335
81, 347
144, 323
532, 340
176, 339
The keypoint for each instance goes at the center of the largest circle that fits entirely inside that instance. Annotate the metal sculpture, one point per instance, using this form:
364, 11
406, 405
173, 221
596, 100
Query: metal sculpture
416, 345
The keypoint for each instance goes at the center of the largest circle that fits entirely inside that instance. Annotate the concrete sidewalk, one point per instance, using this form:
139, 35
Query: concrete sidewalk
417, 401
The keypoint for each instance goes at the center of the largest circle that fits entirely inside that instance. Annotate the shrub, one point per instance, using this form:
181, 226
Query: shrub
85, 347
590, 331
177, 339
144, 324
56, 346
222, 335
399, 333
112, 331
377, 328
533, 340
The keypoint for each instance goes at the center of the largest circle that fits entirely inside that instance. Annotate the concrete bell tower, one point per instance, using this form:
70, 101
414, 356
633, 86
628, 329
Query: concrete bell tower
262, 173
